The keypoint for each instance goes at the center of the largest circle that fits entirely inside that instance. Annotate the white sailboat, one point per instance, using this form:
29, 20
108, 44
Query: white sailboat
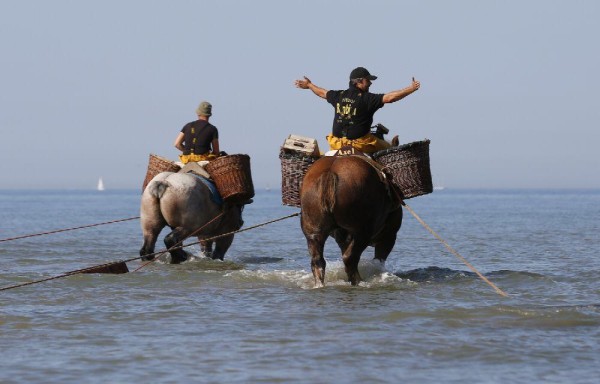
100, 184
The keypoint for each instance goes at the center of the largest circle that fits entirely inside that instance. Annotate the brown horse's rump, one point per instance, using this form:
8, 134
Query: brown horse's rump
344, 197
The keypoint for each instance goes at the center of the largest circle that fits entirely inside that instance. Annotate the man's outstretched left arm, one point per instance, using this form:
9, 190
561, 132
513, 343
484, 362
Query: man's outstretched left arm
393, 96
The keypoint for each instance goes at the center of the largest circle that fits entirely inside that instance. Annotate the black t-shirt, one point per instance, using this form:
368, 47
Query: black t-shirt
198, 136
354, 110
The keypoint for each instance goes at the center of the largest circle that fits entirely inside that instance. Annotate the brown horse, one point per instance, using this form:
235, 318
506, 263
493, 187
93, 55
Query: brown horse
346, 198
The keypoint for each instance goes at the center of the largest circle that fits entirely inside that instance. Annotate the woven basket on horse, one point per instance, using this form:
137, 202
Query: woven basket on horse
232, 177
409, 166
156, 165
293, 168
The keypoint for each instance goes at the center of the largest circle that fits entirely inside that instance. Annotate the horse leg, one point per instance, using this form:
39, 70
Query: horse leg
147, 249
150, 236
384, 246
221, 247
342, 238
206, 247
351, 257
175, 239
316, 244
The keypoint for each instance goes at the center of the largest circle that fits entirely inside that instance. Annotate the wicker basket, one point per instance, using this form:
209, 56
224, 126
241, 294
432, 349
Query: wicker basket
156, 165
409, 166
293, 168
232, 177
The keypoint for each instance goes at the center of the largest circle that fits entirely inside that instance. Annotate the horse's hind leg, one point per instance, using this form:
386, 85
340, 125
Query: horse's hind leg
206, 247
384, 247
150, 236
147, 249
152, 223
221, 247
175, 239
351, 258
316, 244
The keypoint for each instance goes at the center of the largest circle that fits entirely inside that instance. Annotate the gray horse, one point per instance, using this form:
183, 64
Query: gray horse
186, 204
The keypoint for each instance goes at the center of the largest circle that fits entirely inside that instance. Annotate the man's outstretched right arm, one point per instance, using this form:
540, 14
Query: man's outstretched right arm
307, 84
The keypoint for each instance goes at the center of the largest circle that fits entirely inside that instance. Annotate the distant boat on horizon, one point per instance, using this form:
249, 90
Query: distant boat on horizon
100, 184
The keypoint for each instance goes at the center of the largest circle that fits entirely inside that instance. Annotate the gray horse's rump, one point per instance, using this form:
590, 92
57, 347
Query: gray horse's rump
185, 204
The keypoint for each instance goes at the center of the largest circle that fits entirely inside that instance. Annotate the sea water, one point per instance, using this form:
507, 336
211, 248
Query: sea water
424, 316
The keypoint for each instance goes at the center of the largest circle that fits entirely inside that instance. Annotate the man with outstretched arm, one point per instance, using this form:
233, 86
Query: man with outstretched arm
354, 110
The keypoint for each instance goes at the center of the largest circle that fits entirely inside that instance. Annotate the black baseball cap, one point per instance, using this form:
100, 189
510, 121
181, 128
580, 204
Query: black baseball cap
361, 73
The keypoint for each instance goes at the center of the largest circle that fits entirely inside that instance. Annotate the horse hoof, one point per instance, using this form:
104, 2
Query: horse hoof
177, 259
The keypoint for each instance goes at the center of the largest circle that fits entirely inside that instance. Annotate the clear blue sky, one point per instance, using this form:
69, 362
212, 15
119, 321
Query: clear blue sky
509, 89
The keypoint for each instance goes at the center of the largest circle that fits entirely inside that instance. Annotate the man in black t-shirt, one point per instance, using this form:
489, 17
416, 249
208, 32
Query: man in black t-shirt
198, 140
354, 110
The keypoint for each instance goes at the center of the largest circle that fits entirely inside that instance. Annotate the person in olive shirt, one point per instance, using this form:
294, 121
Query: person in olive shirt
199, 140
354, 110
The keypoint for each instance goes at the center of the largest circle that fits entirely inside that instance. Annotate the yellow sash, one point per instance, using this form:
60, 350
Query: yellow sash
368, 143
195, 158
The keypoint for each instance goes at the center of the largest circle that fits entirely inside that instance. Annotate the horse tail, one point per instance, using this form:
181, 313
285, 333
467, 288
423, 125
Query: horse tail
157, 188
327, 186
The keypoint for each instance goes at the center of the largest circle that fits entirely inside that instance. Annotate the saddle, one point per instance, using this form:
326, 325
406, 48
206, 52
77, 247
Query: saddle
195, 168
385, 177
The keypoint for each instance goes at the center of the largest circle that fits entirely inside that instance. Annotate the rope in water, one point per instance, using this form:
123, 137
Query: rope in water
472, 268
406, 206
83, 270
67, 229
